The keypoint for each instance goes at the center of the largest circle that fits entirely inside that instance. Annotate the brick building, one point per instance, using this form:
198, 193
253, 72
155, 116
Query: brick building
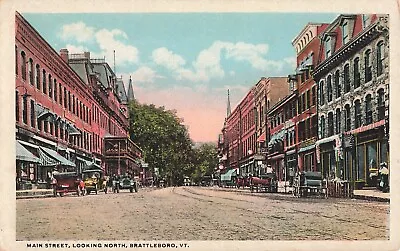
63, 112
307, 46
353, 92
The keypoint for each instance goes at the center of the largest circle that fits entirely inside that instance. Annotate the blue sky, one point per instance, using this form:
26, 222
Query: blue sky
184, 61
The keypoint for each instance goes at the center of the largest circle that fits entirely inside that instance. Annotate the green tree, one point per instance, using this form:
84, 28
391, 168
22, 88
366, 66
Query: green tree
163, 138
205, 161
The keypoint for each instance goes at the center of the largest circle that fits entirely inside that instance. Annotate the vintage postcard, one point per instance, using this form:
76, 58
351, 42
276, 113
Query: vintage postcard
259, 125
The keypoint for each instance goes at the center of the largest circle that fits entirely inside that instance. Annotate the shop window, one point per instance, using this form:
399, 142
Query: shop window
360, 164
356, 66
348, 118
44, 81
23, 65
367, 66
357, 112
31, 71
383, 151
338, 121
329, 88
372, 155
33, 114
330, 124
38, 77
16, 106
380, 56
381, 104
368, 109
337, 84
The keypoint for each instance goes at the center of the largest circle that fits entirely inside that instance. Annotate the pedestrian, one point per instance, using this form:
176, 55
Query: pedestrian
82, 187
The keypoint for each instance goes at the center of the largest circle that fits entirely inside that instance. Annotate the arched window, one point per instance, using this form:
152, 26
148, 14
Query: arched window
37, 76
50, 86
368, 66
347, 118
321, 93
330, 124
356, 66
30, 71
346, 78
357, 113
329, 88
338, 87
368, 109
381, 104
23, 65
55, 90
338, 121
380, 56
322, 127
44, 82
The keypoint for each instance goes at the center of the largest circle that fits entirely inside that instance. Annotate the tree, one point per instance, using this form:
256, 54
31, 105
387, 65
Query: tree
163, 138
205, 161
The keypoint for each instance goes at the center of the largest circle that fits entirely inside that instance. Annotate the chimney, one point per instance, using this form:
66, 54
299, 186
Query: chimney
87, 54
64, 55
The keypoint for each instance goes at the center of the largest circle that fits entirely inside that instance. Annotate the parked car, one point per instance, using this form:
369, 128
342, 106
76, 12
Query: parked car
127, 182
67, 182
93, 181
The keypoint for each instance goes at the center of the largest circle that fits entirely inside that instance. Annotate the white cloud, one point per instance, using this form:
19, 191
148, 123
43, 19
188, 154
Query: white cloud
76, 49
232, 73
162, 56
143, 74
78, 31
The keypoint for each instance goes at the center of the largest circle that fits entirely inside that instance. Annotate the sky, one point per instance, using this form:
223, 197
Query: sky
184, 61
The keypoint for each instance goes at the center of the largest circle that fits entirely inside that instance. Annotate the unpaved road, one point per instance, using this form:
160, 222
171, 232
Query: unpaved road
197, 213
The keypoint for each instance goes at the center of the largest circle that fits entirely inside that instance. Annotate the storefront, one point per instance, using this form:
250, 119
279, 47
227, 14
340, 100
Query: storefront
306, 157
26, 167
329, 156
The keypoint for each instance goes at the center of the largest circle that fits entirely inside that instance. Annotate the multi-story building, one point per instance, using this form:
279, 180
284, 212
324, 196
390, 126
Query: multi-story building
353, 92
307, 45
62, 114
267, 92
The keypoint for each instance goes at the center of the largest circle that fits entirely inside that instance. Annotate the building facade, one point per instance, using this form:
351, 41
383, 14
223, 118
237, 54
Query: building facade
353, 98
60, 118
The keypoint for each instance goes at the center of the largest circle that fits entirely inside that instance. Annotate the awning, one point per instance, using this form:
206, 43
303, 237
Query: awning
72, 130
88, 164
44, 113
24, 155
47, 153
303, 149
367, 127
327, 140
276, 137
228, 175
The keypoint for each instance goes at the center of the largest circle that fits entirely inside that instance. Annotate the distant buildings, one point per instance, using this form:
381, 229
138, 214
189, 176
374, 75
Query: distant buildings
330, 115
70, 110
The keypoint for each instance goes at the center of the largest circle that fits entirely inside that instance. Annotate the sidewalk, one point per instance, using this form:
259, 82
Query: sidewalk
371, 194
34, 193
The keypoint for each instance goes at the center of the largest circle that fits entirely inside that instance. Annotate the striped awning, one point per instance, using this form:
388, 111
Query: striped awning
23, 154
51, 158
367, 127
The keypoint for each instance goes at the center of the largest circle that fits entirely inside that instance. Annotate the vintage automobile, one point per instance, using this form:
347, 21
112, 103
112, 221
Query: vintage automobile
127, 182
93, 180
67, 182
308, 183
186, 181
267, 182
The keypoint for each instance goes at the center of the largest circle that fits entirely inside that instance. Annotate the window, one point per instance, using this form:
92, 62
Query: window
322, 127
65, 98
346, 78
368, 109
16, 105
313, 96
69, 100
299, 103
345, 32
16, 60
328, 47
314, 126
56, 130
304, 102
338, 121
337, 85
38, 77
33, 113
365, 20
50, 87
61, 93
321, 93
356, 66
73, 105
357, 112
379, 57
44, 82
55, 90
381, 104
330, 124
23, 65
348, 118
308, 99
367, 66
307, 129
25, 110
31, 71
45, 126
329, 87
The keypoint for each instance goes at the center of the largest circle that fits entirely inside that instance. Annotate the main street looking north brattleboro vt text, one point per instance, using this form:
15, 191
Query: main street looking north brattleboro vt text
128, 131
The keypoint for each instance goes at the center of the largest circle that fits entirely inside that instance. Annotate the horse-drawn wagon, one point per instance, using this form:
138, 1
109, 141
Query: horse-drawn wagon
267, 182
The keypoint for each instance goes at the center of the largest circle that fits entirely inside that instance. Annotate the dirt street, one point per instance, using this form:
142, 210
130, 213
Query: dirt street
199, 213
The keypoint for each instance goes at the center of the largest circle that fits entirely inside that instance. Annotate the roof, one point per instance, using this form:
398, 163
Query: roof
120, 88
